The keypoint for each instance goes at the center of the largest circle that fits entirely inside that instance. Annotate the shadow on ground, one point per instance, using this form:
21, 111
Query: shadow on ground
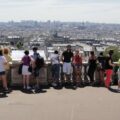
3, 95
114, 90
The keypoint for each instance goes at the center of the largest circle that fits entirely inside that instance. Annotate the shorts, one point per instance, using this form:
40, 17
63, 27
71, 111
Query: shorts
36, 72
78, 66
67, 68
25, 70
2, 73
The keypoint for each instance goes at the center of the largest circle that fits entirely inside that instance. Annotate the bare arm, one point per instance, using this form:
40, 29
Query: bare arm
62, 58
111, 64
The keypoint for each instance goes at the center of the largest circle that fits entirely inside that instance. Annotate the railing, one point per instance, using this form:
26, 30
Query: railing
45, 76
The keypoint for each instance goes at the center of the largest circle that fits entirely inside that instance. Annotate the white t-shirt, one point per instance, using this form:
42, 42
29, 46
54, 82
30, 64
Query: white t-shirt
2, 61
54, 59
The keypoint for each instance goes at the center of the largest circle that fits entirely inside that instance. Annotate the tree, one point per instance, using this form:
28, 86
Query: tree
116, 54
19, 45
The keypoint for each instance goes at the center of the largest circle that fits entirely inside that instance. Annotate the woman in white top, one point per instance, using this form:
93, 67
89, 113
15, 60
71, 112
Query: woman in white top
3, 62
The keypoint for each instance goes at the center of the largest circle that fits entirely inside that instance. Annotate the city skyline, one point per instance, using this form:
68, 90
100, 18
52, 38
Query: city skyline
99, 11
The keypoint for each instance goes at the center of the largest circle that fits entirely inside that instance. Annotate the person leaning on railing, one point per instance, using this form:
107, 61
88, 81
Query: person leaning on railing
26, 72
6, 53
77, 65
101, 68
66, 58
55, 68
92, 64
109, 68
3, 62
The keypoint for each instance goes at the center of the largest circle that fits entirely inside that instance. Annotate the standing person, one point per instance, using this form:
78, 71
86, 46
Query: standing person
55, 68
77, 63
37, 64
9, 60
3, 62
67, 57
91, 66
101, 62
26, 60
109, 68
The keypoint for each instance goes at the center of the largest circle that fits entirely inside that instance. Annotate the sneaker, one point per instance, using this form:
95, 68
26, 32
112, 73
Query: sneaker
74, 87
54, 84
6, 90
37, 87
28, 87
24, 87
119, 89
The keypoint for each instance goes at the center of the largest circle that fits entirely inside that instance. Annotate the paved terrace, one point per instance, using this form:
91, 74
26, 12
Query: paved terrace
89, 103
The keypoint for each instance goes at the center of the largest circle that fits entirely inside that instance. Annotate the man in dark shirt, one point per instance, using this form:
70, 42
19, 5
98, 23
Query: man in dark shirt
109, 68
101, 68
67, 57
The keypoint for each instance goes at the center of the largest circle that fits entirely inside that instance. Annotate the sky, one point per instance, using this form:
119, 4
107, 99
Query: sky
101, 11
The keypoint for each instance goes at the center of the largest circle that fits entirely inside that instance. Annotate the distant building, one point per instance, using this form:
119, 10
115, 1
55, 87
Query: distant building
14, 39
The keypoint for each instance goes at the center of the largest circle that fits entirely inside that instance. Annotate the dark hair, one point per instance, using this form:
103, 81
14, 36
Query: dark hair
68, 45
26, 52
1, 52
56, 52
35, 48
101, 53
111, 52
92, 52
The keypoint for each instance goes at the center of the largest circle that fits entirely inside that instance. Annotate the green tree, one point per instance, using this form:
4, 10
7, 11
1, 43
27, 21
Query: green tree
19, 45
116, 54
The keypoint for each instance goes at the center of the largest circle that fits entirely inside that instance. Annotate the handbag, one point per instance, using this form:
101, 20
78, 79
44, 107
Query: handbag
20, 69
30, 68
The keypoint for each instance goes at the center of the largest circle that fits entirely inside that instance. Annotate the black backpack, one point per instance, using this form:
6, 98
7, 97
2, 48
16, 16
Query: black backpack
39, 62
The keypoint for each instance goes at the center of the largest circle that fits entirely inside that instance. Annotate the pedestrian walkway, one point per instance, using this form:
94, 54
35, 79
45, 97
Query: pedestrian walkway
87, 103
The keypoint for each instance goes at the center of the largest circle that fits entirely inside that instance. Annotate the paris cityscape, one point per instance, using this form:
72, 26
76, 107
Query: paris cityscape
59, 59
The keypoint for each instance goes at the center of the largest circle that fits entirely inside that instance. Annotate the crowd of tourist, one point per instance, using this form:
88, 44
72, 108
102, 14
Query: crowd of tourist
72, 68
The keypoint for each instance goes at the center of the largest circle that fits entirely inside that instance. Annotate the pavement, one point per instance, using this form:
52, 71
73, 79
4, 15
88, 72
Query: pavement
89, 103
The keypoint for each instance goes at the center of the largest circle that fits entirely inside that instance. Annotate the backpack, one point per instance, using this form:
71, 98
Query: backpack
39, 62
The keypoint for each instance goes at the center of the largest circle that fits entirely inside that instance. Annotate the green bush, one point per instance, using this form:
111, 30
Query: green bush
116, 54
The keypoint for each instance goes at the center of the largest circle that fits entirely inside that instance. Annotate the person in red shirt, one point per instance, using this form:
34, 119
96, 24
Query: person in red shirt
77, 63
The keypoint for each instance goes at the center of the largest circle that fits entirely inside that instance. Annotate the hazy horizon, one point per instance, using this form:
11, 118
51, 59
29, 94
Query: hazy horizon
96, 11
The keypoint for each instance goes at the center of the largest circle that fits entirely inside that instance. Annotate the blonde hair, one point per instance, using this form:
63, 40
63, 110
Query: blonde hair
6, 51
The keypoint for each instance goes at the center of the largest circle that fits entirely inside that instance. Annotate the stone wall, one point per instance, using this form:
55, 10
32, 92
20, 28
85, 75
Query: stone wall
45, 77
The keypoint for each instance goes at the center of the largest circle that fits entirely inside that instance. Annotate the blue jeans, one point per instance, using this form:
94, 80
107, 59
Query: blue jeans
55, 71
